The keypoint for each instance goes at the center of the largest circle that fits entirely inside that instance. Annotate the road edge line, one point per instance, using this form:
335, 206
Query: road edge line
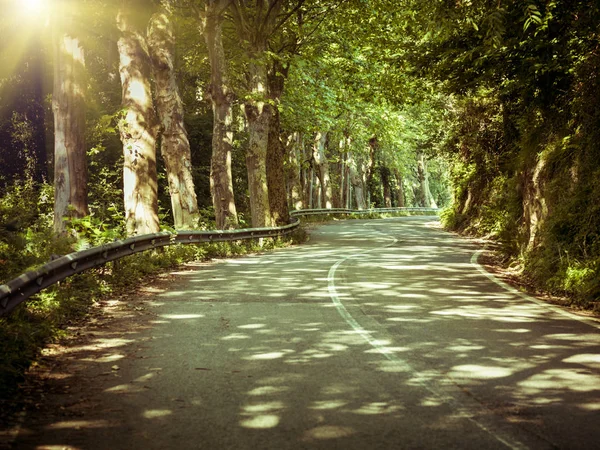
475, 262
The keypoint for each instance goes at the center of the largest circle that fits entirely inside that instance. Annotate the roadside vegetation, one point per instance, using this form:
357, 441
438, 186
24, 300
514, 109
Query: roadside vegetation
522, 136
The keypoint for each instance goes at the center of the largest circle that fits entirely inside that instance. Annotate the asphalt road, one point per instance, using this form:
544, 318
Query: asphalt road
375, 335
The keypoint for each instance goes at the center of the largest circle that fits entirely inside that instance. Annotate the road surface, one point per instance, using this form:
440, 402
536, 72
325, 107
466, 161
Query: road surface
379, 334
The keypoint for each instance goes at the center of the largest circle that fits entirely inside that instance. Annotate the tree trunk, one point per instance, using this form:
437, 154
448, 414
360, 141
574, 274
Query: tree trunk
294, 171
258, 115
275, 173
348, 160
175, 146
370, 169
322, 170
254, 25
357, 183
310, 185
68, 106
221, 180
278, 204
316, 190
336, 179
343, 174
535, 209
425, 198
348, 184
306, 176
387, 189
138, 129
400, 202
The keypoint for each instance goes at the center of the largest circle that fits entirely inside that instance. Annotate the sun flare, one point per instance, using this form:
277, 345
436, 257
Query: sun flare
33, 6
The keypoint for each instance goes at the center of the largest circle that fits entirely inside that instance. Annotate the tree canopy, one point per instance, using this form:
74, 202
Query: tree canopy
248, 108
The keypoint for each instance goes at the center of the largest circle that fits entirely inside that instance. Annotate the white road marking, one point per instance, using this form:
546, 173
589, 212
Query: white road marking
510, 442
474, 261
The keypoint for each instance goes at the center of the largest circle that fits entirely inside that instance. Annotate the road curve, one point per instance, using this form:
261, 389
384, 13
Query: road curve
376, 334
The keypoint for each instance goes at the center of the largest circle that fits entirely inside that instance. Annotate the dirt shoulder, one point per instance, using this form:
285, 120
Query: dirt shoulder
494, 263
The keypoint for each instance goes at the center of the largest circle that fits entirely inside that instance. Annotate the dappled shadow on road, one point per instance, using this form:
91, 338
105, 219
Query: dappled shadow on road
255, 353
519, 358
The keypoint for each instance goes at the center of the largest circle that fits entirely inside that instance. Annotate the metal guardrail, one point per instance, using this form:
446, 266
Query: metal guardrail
21, 288
308, 212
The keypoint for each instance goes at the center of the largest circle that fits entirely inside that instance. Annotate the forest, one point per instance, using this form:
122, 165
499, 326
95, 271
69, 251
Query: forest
128, 117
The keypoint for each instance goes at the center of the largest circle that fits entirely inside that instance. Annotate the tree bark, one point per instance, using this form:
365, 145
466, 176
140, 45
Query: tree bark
175, 146
258, 115
425, 198
278, 204
348, 197
310, 187
138, 129
357, 183
316, 191
294, 171
400, 202
68, 106
221, 180
347, 144
343, 174
535, 209
370, 169
322, 169
306, 175
387, 189
335, 173
255, 22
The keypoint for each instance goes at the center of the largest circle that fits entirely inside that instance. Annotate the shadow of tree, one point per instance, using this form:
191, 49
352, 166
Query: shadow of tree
253, 353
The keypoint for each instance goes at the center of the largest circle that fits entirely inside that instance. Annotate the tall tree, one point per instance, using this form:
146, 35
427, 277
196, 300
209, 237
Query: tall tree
175, 146
294, 171
255, 20
276, 150
221, 96
300, 21
387, 187
322, 166
424, 196
138, 126
400, 202
357, 182
68, 106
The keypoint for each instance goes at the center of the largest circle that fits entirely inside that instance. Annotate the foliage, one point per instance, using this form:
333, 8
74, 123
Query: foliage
349, 82
26, 236
523, 137
502, 99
